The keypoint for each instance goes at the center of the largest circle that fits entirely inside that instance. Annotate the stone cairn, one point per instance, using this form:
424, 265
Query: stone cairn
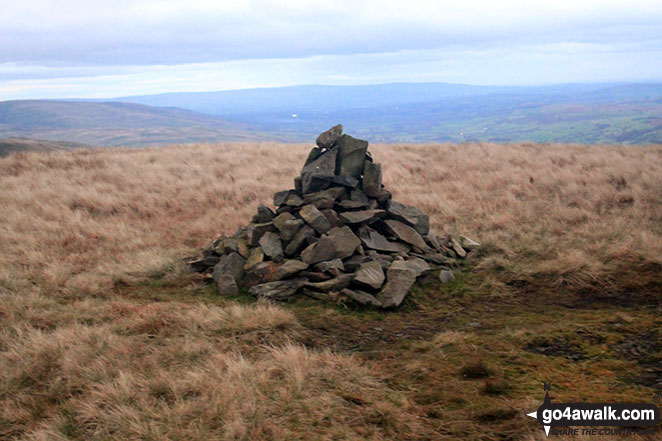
337, 236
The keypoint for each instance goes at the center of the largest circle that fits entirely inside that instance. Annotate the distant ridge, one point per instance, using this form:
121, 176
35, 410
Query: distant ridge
115, 123
17, 145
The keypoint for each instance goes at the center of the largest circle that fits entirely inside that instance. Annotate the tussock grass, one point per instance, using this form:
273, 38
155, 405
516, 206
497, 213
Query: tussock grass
81, 358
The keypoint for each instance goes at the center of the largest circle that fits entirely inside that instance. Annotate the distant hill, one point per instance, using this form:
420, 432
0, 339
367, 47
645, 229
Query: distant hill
115, 123
428, 112
15, 145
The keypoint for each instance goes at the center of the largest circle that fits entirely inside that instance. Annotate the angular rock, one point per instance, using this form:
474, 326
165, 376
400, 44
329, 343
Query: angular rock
254, 232
315, 218
351, 156
338, 244
232, 264
324, 296
227, 246
264, 215
350, 205
287, 225
263, 272
328, 139
201, 264
335, 284
299, 241
271, 246
333, 218
256, 256
323, 166
297, 184
335, 264
431, 239
333, 193
446, 276
409, 215
281, 290
242, 248
358, 196
227, 285
315, 153
420, 266
324, 203
315, 276
289, 268
294, 200
405, 233
361, 297
357, 217
458, 248
280, 197
370, 274
398, 283
375, 241
468, 244
372, 178
354, 262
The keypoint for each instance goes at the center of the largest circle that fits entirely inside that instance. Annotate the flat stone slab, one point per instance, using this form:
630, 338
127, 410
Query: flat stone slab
335, 284
281, 290
405, 233
372, 178
357, 217
335, 264
287, 225
409, 215
375, 241
332, 193
361, 297
254, 232
289, 268
370, 274
338, 244
300, 240
420, 266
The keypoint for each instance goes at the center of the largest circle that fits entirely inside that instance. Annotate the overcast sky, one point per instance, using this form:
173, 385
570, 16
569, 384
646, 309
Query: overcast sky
92, 48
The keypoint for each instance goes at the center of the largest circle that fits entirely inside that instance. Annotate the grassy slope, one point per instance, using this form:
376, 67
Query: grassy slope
102, 338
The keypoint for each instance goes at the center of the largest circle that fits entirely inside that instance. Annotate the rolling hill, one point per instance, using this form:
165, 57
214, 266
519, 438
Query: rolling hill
15, 145
115, 123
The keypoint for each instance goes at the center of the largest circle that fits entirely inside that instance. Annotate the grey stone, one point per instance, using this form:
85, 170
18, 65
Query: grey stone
438, 258
352, 263
338, 244
315, 276
256, 256
398, 283
242, 248
335, 284
281, 197
373, 240
299, 241
351, 156
333, 218
270, 244
458, 248
261, 273
446, 276
281, 290
324, 204
335, 264
357, 217
372, 179
294, 200
311, 173
289, 268
297, 184
232, 264
361, 297
227, 285
420, 266
333, 193
227, 246
254, 232
328, 139
409, 215
315, 153
315, 218
264, 215
358, 196
370, 274
287, 225
350, 205
432, 240
405, 233
468, 244
324, 296
201, 264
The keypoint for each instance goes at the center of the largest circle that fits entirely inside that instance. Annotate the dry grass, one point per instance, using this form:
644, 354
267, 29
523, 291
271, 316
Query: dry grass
82, 359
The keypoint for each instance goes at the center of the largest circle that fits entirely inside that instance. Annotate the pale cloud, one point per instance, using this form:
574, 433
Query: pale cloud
101, 48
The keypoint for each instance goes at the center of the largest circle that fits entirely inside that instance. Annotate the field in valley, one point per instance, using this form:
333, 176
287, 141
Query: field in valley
104, 334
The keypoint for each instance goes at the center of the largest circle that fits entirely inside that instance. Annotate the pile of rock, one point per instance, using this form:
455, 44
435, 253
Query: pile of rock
338, 235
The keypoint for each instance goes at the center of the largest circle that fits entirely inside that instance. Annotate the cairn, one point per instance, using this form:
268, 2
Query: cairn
337, 236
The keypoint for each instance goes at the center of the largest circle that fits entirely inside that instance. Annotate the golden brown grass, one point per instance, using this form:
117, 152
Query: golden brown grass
81, 358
